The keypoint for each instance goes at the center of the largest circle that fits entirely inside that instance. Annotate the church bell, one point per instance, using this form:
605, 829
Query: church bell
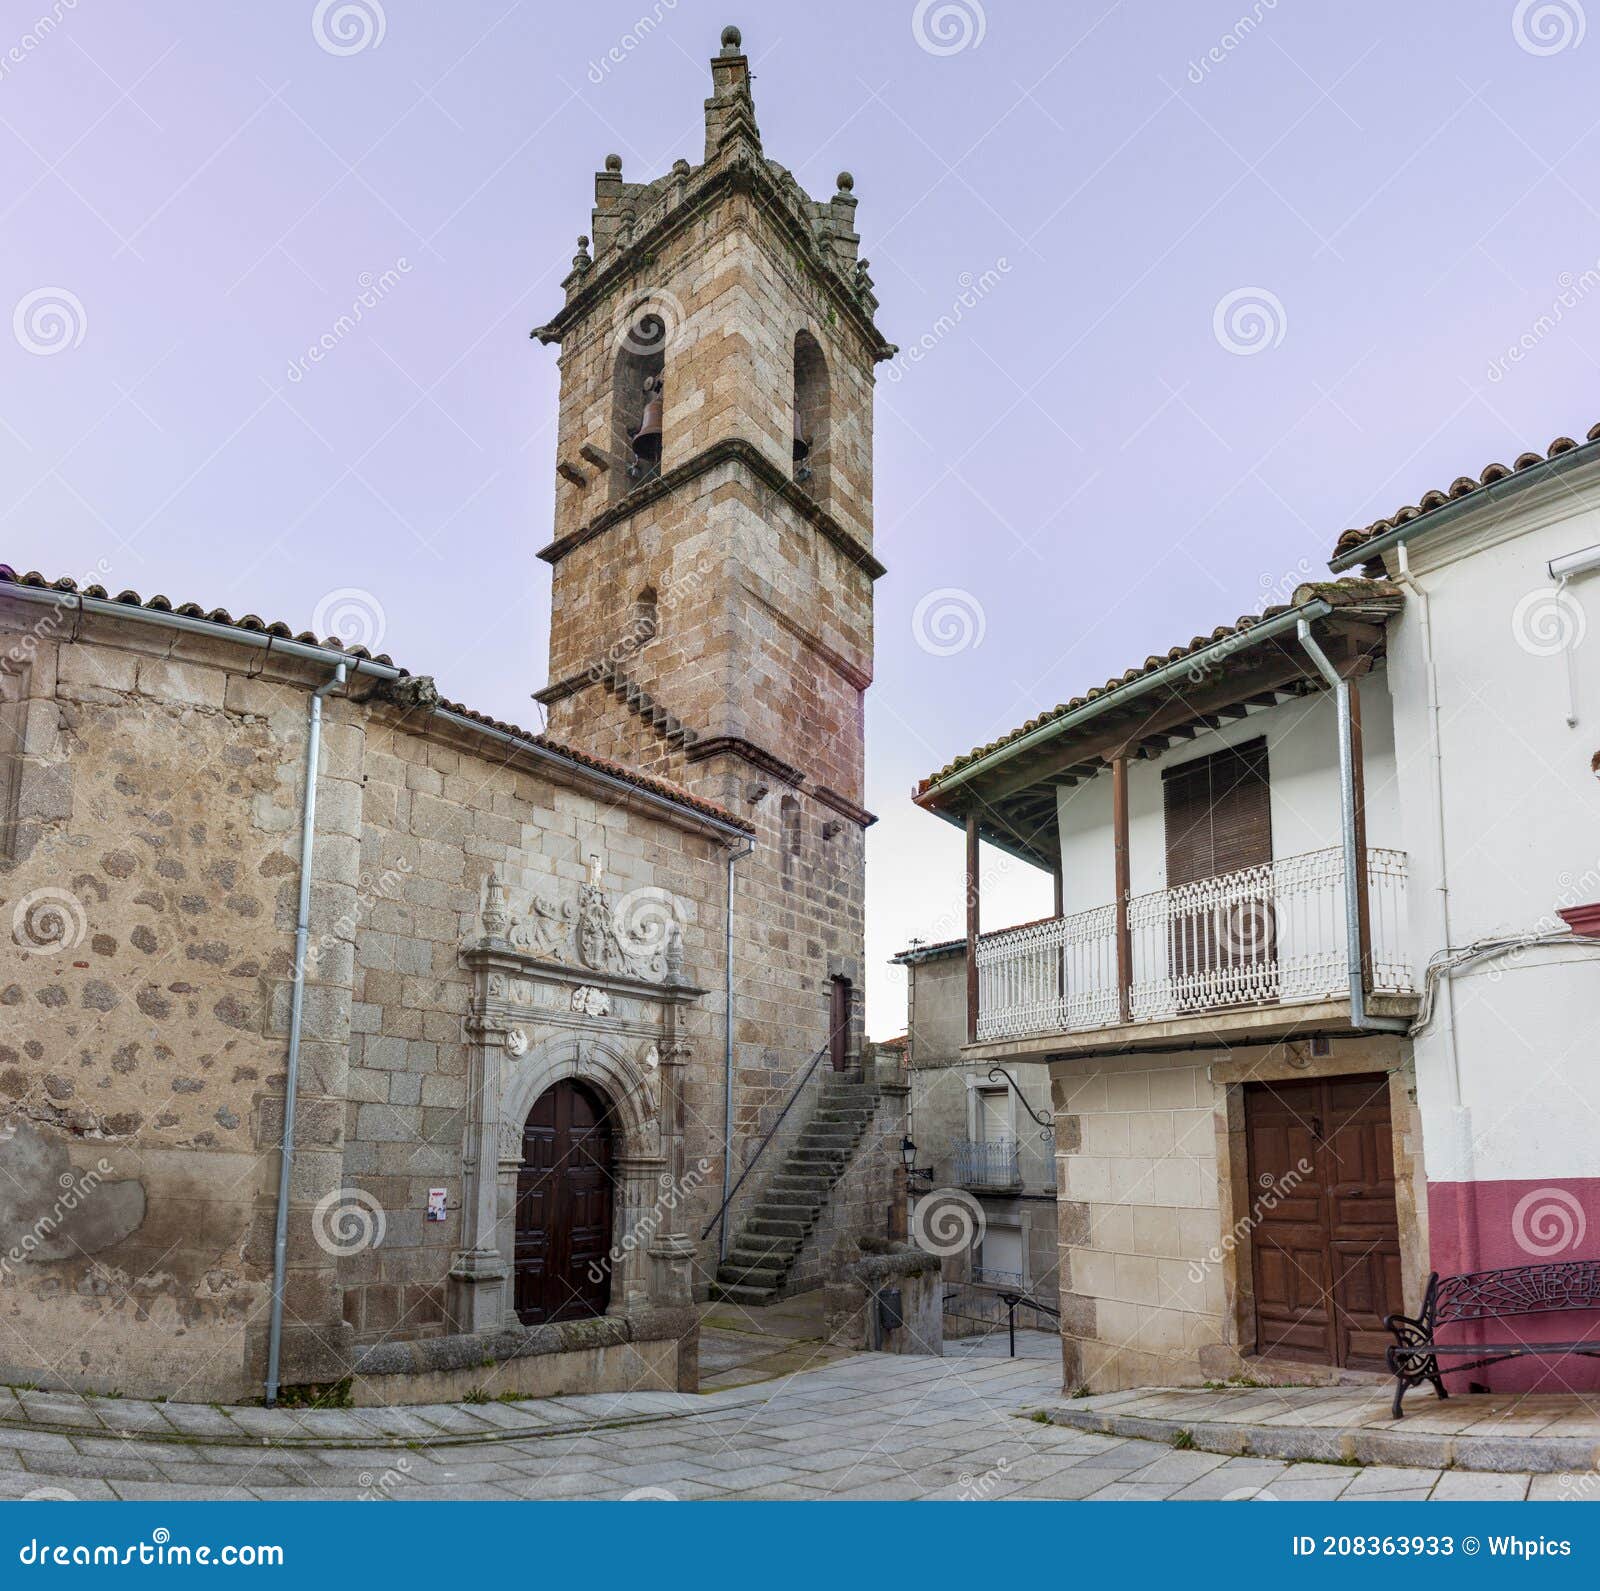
646, 441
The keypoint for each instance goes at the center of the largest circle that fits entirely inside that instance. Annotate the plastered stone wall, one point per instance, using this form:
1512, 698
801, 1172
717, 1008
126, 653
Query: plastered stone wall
145, 918
143, 1037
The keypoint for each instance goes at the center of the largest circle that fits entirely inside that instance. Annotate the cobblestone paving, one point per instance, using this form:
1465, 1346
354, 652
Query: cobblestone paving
872, 1426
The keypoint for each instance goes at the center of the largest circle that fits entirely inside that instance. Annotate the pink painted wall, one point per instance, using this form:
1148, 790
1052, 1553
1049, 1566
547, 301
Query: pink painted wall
1490, 1225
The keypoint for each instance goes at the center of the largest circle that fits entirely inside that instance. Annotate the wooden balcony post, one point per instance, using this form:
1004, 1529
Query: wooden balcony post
972, 928
1061, 947
1363, 883
1119, 829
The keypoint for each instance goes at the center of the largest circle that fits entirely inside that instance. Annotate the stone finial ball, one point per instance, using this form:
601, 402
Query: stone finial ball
732, 38
846, 182
613, 162
583, 242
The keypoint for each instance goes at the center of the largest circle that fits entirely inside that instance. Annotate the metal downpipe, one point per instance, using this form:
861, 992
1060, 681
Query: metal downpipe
727, 1057
1353, 860
302, 927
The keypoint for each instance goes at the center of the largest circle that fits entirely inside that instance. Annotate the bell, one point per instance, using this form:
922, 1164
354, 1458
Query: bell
802, 443
646, 441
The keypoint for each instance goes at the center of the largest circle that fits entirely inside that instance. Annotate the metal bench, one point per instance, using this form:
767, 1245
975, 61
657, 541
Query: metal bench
1489, 1295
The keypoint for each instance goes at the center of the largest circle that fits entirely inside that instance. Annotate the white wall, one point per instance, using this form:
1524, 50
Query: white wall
1522, 835
1303, 767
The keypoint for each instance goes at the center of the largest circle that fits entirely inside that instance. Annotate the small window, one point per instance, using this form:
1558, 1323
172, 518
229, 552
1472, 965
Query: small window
790, 819
998, 1258
643, 619
994, 1115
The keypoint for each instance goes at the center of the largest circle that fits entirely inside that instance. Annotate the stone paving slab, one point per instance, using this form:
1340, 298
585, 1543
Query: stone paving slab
873, 1426
1541, 1433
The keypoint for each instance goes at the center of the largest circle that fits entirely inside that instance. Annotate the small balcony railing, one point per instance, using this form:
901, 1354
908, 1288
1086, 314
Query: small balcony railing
986, 1163
1273, 934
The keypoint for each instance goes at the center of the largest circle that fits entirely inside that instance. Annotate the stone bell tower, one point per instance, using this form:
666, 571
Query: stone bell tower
712, 595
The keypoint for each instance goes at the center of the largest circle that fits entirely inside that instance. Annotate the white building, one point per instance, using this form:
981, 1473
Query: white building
1314, 1023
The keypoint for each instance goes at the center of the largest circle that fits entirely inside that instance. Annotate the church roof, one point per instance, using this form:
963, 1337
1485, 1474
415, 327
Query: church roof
224, 622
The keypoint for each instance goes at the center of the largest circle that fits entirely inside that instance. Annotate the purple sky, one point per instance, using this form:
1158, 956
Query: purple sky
1081, 457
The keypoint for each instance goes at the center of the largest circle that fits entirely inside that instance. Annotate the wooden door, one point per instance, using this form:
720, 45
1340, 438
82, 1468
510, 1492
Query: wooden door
1325, 1239
565, 1194
839, 1024
1222, 948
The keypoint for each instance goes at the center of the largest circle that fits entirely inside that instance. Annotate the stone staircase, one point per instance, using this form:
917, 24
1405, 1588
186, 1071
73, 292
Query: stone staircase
671, 729
779, 1222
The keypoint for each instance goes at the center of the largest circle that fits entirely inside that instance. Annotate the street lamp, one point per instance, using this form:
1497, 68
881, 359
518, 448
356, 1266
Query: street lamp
908, 1156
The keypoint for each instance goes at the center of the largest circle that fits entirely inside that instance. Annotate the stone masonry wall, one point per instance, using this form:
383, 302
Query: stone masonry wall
732, 300
145, 1021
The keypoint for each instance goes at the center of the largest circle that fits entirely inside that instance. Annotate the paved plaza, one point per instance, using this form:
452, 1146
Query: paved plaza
868, 1426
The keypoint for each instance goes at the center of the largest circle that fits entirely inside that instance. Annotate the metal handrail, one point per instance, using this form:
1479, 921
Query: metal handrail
1011, 1301
794, 1094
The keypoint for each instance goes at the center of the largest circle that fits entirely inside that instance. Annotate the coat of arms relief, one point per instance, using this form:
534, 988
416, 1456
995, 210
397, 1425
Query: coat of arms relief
638, 936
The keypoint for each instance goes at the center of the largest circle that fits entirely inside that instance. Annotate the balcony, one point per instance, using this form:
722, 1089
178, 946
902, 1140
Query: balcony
986, 1163
1265, 936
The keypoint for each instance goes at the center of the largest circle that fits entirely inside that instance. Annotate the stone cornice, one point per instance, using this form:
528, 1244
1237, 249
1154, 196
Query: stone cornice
844, 806
500, 955
731, 450
749, 751
744, 172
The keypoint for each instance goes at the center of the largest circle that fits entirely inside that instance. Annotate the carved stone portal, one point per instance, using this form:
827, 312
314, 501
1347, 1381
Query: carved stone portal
594, 992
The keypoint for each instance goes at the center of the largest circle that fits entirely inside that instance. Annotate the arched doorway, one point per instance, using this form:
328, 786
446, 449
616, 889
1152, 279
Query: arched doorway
565, 1193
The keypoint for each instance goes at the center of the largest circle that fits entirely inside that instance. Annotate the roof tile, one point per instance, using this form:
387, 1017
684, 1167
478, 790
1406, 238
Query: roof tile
223, 619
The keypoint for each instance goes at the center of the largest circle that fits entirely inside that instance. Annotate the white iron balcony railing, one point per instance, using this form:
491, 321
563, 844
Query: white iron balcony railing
1273, 934
986, 1163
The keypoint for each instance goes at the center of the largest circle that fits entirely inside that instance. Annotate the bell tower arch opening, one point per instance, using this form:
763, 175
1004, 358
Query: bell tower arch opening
811, 415
637, 400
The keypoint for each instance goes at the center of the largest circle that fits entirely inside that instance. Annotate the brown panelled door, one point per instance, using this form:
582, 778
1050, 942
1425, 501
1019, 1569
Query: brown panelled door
565, 1192
1326, 1254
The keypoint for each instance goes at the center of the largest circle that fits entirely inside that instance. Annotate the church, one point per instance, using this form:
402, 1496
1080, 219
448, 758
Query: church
354, 1039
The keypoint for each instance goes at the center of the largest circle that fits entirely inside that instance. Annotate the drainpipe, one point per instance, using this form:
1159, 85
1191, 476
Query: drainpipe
1353, 860
1460, 1113
302, 926
727, 1058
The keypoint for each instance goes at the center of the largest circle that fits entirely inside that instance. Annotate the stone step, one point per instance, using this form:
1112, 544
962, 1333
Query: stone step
802, 1182
806, 1198
761, 1226
738, 1293
737, 1274
756, 1249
